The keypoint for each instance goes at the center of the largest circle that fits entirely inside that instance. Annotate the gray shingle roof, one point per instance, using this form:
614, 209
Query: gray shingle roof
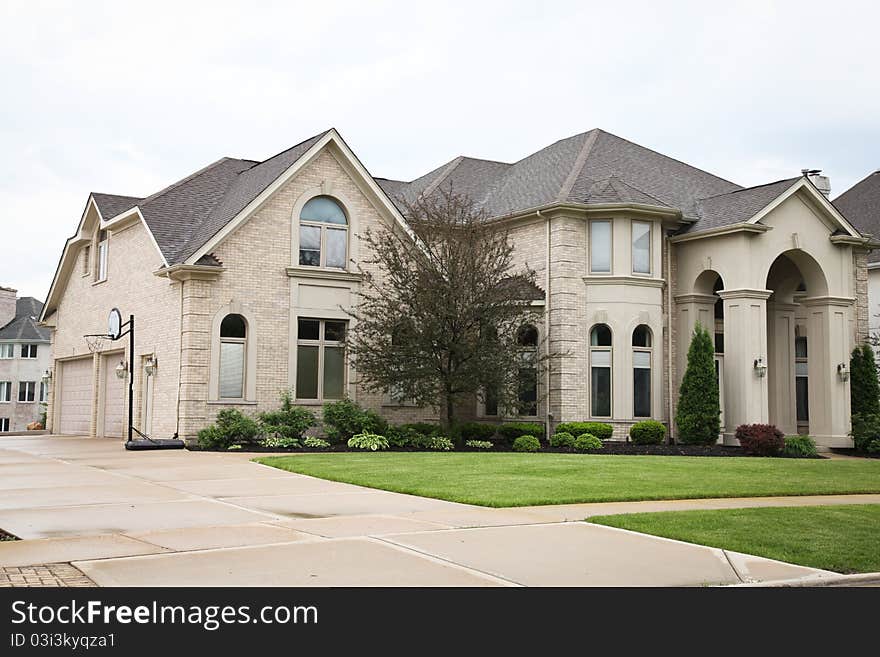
24, 324
738, 206
589, 168
110, 205
861, 205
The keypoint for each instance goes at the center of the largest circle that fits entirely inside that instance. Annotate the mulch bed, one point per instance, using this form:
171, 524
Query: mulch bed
855, 452
610, 447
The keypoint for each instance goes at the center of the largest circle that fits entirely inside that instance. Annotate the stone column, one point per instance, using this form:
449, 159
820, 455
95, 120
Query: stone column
691, 309
781, 366
829, 338
745, 340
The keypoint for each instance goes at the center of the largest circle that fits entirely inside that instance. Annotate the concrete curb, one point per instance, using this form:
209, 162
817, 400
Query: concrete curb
860, 579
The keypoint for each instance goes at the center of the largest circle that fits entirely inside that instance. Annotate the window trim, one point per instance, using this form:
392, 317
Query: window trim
610, 350
103, 259
610, 223
31, 348
7, 387
324, 227
321, 343
7, 347
632, 243
32, 393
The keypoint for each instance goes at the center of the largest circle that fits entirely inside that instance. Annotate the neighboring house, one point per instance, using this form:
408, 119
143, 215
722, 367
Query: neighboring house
239, 276
25, 356
861, 205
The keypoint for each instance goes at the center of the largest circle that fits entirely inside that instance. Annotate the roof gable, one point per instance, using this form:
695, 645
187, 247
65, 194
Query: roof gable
24, 325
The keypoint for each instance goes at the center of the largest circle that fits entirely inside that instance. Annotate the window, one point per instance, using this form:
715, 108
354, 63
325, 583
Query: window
320, 359
323, 234
5, 391
233, 341
7, 351
600, 371
102, 255
43, 390
86, 257
26, 391
641, 247
642, 343
28, 351
4, 424
801, 380
527, 377
600, 247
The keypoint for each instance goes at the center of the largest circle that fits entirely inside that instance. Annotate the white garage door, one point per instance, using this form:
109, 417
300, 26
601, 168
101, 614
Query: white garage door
76, 396
113, 394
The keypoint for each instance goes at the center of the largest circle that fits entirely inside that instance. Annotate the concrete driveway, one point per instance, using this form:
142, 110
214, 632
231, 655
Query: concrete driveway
178, 518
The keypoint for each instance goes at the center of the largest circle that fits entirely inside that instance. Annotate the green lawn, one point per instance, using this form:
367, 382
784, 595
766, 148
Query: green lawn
508, 479
844, 539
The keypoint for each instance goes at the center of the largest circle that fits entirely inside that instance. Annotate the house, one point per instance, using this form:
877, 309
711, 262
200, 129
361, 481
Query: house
239, 276
25, 356
861, 204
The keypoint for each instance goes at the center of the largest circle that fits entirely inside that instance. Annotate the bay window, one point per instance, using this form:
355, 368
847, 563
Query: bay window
600, 371
600, 247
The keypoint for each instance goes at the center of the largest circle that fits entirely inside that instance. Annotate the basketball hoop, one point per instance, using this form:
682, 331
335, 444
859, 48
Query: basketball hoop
95, 342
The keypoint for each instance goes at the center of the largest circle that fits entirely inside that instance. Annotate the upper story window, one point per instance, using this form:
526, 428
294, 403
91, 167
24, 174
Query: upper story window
26, 391
641, 247
323, 234
233, 342
28, 351
101, 274
5, 391
7, 351
600, 247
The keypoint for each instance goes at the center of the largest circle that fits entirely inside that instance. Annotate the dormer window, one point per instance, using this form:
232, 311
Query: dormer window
323, 234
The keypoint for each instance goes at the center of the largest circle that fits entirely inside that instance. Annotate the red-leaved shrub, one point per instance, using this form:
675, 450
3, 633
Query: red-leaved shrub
760, 439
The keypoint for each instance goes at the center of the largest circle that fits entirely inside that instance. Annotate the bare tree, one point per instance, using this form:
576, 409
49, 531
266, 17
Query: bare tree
442, 320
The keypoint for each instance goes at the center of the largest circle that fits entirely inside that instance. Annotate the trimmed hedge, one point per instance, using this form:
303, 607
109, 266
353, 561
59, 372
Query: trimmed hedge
648, 432
800, 446
512, 430
526, 444
601, 430
587, 442
477, 431
760, 439
562, 439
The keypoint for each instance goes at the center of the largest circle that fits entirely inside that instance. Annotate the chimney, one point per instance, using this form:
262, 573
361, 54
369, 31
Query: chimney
7, 305
822, 183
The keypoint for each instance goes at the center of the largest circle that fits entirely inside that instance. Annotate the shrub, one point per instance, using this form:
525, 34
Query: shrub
512, 430
865, 430
648, 432
873, 446
526, 444
231, 426
289, 421
477, 431
440, 444
479, 444
316, 443
370, 441
280, 442
562, 439
864, 385
345, 418
699, 410
602, 430
586, 442
760, 439
800, 446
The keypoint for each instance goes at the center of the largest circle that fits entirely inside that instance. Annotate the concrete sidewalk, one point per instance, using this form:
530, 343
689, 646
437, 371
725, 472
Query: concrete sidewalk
177, 518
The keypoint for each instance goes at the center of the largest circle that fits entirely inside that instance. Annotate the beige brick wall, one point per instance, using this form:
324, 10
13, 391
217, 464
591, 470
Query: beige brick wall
860, 273
132, 287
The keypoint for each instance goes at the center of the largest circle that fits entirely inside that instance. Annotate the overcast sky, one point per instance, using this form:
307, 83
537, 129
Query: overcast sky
124, 98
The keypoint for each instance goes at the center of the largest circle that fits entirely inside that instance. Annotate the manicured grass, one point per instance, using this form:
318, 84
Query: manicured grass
508, 479
844, 539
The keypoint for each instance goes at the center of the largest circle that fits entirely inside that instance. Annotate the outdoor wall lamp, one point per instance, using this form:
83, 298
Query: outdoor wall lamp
151, 365
760, 367
121, 370
47, 375
843, 371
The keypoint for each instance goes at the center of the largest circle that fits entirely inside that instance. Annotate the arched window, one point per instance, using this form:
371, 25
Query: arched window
323, 234
642, 342
600, 371
527, 399
233, 340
